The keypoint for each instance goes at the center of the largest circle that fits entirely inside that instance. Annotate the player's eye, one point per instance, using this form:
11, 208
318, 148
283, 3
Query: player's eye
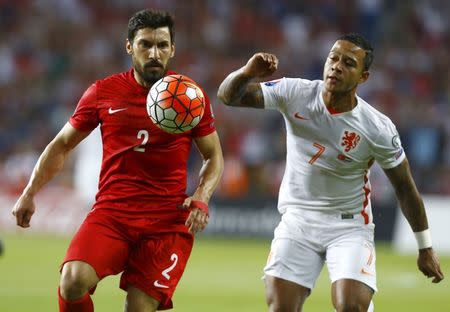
163, 45
333, 58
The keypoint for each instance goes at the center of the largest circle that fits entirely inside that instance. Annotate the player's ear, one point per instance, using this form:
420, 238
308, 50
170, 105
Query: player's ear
128, 47
364, 76
172, 54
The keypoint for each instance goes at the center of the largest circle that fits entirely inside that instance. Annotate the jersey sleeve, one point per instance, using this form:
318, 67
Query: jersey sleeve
387, 149
85, 117
280, 92
206, 125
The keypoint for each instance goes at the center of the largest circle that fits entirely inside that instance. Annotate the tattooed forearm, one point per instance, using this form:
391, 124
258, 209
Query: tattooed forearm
233, 88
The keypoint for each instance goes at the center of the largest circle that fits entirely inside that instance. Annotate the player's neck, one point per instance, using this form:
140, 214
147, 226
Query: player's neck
339, 102
140, 80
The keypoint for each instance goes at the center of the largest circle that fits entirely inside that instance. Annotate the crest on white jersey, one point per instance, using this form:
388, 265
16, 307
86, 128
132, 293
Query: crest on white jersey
350, 140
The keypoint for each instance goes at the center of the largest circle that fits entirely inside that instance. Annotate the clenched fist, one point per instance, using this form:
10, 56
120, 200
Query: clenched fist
261, 65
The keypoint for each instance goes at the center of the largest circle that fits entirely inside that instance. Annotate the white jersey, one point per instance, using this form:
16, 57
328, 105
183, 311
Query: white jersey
329, 155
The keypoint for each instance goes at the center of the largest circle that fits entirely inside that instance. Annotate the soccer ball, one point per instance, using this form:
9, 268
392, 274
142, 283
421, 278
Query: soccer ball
175, 103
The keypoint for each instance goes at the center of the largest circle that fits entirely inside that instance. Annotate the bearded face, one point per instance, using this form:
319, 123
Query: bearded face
151, 51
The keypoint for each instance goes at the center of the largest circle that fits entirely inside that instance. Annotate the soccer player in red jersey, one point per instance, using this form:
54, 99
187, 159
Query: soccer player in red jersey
136, 225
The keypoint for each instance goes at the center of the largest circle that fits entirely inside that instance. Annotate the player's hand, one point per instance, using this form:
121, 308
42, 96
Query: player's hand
261, 65
23, 210
428, 264
198, 218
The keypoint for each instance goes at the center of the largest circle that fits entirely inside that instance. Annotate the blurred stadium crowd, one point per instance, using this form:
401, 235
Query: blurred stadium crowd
51, 50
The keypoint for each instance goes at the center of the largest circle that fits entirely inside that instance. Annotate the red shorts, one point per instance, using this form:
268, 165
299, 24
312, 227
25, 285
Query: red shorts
152, 254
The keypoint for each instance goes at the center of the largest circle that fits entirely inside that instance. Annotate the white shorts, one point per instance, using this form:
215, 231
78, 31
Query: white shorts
304, 240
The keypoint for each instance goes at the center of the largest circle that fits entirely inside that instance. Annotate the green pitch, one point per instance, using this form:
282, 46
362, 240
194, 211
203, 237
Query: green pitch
222, 275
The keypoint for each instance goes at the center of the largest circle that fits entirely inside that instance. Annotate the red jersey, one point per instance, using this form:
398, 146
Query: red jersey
144, 169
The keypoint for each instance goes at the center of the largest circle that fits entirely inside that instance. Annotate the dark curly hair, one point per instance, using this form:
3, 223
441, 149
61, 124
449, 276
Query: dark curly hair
150, 19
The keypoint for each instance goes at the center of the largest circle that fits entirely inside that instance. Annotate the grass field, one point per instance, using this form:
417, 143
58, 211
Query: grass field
222, 275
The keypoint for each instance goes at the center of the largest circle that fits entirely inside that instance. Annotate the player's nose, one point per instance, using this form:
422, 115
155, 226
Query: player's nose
153, 52
337, 66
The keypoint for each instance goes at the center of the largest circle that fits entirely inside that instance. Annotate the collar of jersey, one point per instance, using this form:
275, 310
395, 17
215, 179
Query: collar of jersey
322, 102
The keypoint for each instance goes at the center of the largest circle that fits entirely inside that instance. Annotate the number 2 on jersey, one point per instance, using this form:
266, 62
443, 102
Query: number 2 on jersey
319, 152
142, 135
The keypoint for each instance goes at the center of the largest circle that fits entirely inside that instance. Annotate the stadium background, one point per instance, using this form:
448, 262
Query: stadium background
50, 51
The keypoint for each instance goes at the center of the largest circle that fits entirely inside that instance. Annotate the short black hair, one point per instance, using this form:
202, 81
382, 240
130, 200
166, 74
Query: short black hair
364, 44
150, 19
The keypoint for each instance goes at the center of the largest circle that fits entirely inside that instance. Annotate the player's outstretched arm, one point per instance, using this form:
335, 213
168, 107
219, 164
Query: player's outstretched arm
48, 165
237, 88
210, 174
413, 209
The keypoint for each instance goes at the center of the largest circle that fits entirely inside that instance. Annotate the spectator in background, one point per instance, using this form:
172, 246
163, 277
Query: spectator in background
413, 67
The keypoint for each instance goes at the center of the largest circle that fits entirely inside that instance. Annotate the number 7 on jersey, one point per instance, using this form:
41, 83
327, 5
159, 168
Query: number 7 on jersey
319, 152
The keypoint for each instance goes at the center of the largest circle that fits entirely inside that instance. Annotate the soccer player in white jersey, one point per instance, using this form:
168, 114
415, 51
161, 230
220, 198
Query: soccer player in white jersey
333, 138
